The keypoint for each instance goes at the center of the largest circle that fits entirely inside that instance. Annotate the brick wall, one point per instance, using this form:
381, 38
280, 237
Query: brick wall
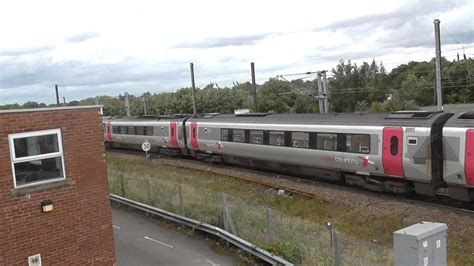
79, 229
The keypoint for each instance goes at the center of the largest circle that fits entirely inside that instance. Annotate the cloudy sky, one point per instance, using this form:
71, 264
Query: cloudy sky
95, 48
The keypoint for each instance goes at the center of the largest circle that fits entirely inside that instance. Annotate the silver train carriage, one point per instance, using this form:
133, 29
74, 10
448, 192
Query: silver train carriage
376, 151
396, 152
164, 133
458, 141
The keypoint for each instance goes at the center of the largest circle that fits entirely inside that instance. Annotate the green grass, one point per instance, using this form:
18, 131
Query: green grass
299, 223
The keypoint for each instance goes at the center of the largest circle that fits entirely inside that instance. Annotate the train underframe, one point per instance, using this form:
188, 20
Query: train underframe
372, 183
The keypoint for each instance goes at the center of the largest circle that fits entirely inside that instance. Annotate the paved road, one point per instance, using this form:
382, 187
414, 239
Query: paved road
140, 241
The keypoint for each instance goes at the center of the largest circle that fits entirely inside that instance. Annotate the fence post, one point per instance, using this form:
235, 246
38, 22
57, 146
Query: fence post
122, 185
150, 190
337, 250
224, 213
227, 219
330, 226
270, 232
181, 201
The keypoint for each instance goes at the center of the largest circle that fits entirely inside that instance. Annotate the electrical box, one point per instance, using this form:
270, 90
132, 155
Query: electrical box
421, 244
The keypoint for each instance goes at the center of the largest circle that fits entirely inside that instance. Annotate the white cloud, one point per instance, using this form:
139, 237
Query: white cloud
107, 47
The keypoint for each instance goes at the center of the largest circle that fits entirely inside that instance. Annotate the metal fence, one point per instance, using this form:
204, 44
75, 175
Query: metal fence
297, 240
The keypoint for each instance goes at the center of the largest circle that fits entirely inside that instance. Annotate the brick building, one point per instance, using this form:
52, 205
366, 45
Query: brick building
53, 188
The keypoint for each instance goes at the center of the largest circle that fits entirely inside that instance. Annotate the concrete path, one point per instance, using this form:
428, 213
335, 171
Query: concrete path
140, 241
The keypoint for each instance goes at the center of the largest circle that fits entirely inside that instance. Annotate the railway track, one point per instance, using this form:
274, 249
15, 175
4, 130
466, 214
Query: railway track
280, 182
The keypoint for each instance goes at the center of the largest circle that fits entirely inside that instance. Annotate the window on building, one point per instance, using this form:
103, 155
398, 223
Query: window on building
37, 157
277, 138
224, 134
238, 135
358, 143
299, 139
256, 136
326, 141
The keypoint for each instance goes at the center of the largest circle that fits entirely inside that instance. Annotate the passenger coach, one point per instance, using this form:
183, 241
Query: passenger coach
129, 133
394, 152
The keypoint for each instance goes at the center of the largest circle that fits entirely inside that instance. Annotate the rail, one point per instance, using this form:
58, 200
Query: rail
210, 229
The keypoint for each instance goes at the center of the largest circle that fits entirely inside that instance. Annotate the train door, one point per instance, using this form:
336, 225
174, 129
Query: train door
173, 135
108, 129
469, 163
393, 151
194, 136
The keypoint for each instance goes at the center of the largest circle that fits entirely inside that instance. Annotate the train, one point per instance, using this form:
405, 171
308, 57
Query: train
422, 152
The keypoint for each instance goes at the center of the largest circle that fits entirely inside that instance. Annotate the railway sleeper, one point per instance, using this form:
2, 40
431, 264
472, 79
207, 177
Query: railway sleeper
369, 183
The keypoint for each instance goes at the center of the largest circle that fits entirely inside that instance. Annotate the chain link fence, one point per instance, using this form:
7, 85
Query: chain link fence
297, 240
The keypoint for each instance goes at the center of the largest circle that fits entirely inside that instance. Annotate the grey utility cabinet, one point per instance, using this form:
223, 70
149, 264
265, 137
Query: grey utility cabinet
421, 244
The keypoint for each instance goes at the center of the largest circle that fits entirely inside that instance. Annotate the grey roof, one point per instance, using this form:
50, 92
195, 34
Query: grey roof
173, 118
464, 119
453, 108
384, 119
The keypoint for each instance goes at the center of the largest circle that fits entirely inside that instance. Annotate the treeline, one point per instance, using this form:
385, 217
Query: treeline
408, 86
367, 87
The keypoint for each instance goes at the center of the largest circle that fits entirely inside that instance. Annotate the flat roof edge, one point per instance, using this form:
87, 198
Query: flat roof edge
48, 109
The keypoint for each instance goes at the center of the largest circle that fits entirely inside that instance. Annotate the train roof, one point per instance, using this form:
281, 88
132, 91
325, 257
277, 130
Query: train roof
175, 117
403, 118
463, 119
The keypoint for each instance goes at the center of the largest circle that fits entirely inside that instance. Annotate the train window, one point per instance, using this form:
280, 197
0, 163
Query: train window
140, 131
413, 141
116, 129
180, 133
358, 143
299, 139
149, 131
238, 135
256, 136
326, 141
224, 134
172, 132
277, 138
394, 145
123, 130
131, 131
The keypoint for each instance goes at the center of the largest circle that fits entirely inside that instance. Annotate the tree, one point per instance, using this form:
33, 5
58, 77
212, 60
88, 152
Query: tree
275, 96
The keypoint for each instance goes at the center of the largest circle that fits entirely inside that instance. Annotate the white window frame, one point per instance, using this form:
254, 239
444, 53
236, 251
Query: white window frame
14, 160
